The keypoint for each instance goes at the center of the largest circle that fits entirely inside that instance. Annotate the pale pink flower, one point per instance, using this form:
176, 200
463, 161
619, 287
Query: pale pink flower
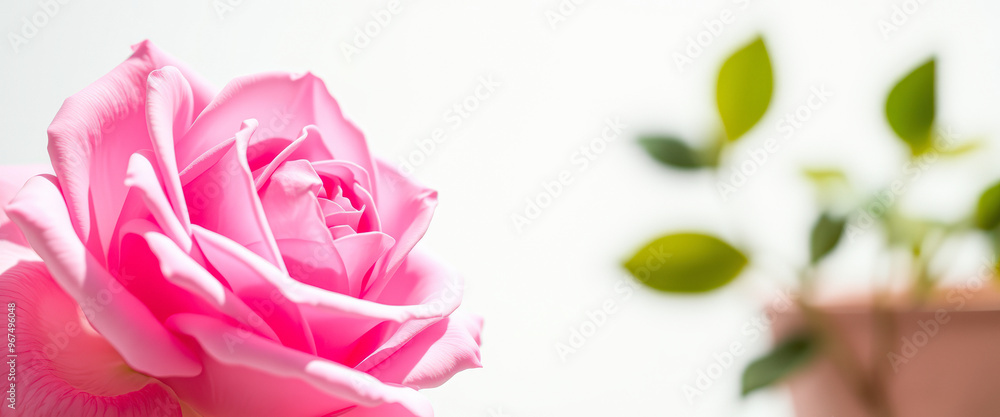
209, 254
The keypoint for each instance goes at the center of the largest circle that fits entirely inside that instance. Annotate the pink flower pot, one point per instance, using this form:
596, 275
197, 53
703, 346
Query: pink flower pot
940, 360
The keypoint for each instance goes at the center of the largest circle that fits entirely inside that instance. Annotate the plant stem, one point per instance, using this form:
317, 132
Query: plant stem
868, 386
884, 334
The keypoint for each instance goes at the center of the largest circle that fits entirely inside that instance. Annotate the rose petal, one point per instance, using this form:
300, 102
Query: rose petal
289, 202
405, 209
293, 211
207, 160
201, 91
168, 283
178, 268
242, 271
39, 210
348, 172
252, 376
350, 219
370, 220
169, 112
420, 280
424, 280
360, 252
309, 146
315, 263
12, 178
94, 134
434, 355
242, 264
283, 103
336, 321
223, 199
142, 177
51, 338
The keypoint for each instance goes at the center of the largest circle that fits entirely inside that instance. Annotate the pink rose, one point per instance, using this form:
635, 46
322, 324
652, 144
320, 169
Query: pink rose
221, 254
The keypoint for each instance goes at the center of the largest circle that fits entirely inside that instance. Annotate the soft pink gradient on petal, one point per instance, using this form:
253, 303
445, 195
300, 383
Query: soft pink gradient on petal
434, 355
341, 385
63, 364
283, 103
405, 209
242, 269
289, 201
360, 251
94, 134
178, 268
12, 178
223, 199
39, 211
143, 178
315, 263
169, 113
348, 171
420, 280
309, 146
423, 279
240, 263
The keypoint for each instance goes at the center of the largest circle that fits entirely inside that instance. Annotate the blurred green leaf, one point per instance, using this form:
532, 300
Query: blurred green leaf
825, 235
964, 148
825, 175
686, 263
671, 151
988, 209
910, 107
744, 88
784, 359
994, 236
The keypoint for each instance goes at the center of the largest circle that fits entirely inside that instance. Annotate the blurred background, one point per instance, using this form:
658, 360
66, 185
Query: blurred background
544, 191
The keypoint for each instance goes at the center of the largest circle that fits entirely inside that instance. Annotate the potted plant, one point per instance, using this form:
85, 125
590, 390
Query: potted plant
922, 351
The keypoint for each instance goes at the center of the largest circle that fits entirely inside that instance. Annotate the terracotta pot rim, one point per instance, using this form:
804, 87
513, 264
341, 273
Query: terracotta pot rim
951, 299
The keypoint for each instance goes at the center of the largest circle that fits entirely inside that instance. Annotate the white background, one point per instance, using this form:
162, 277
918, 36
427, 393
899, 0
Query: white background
608, 59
